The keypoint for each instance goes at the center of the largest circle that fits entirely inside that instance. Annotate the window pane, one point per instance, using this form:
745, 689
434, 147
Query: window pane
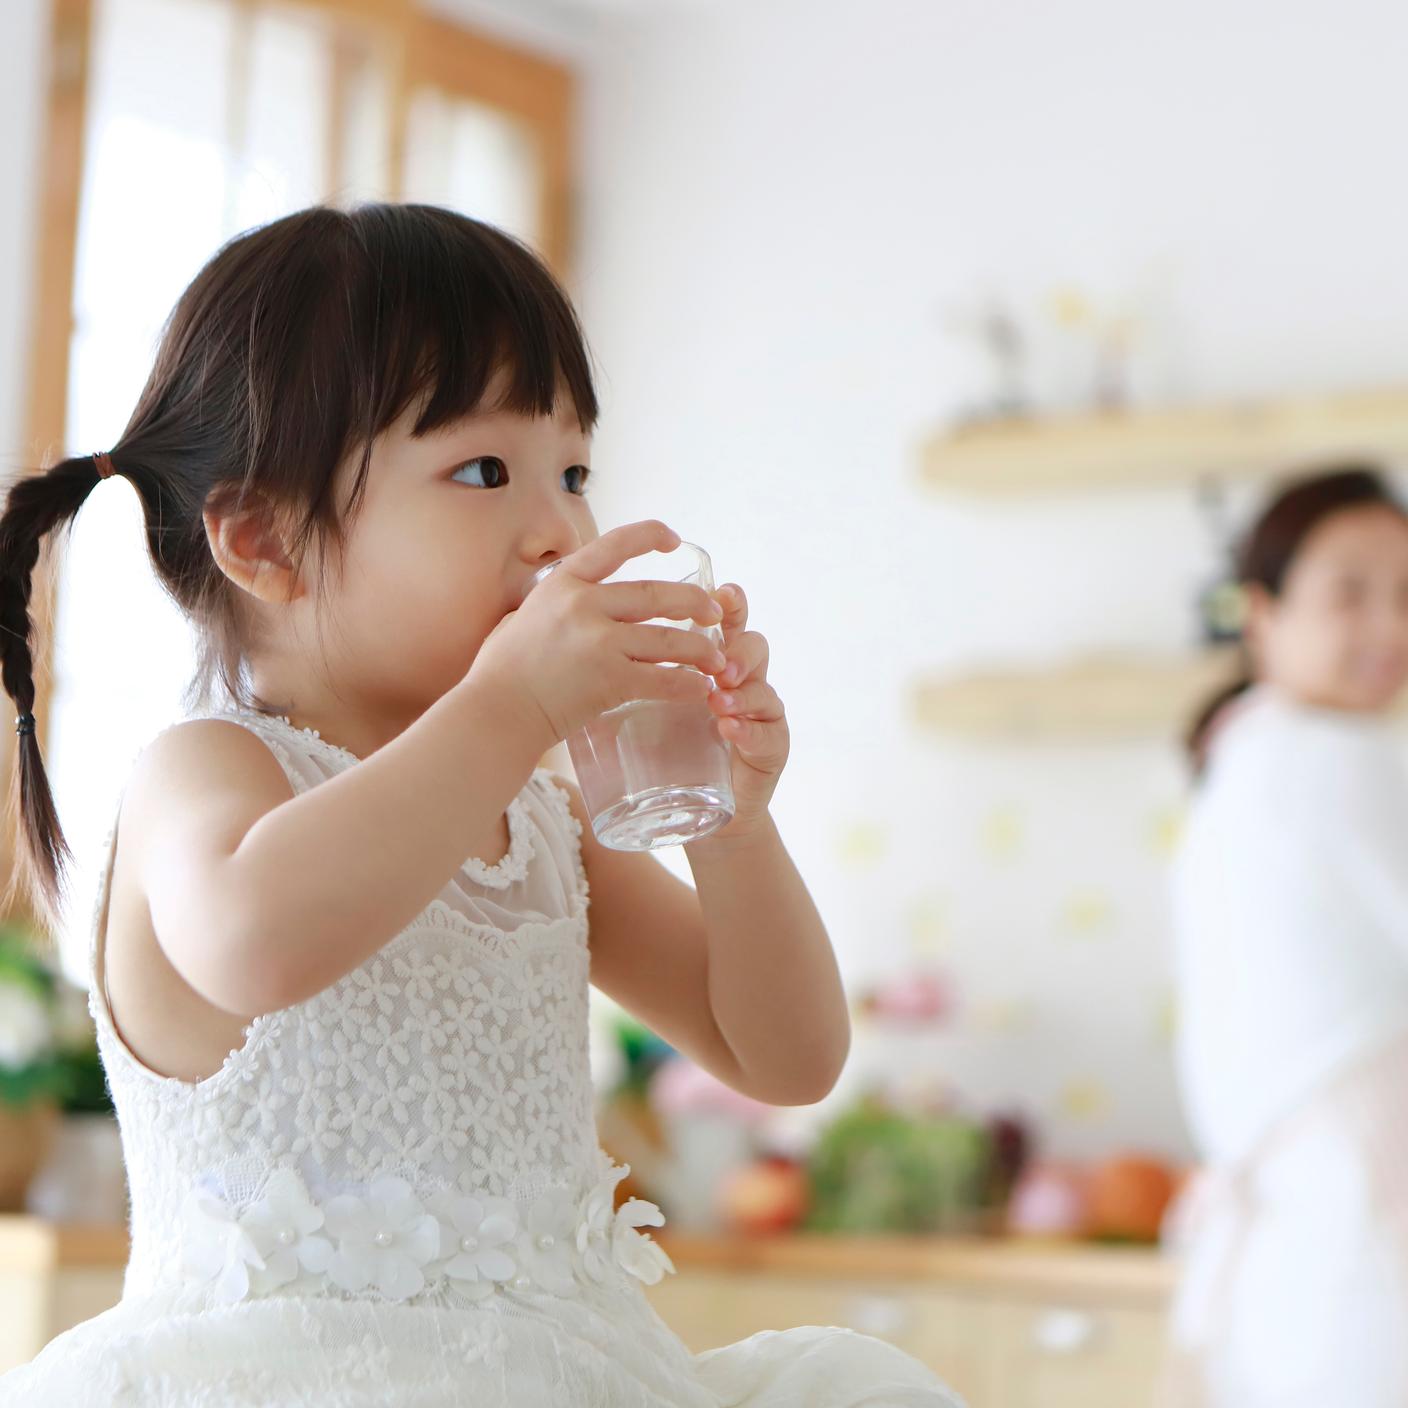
283, 109
203, 119
474, 159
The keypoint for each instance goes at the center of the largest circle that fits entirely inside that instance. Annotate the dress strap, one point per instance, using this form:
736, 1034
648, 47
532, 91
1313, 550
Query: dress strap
305, 758
567, 828
100, 1004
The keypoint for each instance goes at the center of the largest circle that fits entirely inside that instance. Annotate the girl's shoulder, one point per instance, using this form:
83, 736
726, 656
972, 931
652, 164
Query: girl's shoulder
193, 755
201, 777
304, 756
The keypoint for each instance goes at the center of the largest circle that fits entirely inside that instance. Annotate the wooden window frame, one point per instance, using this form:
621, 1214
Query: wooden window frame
418, 50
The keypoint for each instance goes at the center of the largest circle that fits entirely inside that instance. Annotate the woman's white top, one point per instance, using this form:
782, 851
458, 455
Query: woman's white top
1290, 911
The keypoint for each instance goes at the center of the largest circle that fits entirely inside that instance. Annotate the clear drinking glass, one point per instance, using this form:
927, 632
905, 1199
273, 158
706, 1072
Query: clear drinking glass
655, 772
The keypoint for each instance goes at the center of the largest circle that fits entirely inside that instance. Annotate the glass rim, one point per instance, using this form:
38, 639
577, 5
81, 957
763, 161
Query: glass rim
705, 562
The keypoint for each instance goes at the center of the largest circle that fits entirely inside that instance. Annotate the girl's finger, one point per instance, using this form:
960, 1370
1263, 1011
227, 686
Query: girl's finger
754, 701
648, 599
735, 605
606, 554
669, 645
754, 737
747, 656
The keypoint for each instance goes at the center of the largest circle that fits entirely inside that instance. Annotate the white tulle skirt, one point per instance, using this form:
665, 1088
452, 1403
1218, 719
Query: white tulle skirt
528, 1352
1294, 1285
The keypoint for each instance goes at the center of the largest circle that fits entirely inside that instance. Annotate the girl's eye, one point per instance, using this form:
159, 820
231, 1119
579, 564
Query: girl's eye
493, 472
575, 479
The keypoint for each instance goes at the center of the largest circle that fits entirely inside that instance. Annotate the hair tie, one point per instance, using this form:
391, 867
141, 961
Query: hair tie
105, 466
24, 724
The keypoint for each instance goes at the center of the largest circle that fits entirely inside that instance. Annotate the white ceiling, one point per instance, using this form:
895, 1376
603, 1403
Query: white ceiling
571, 15
563, 28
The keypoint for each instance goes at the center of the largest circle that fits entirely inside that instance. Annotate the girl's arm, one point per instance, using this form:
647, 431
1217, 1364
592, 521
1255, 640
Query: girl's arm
739, 976
261, 898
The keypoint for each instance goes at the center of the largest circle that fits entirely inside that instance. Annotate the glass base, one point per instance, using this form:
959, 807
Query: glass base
662, 816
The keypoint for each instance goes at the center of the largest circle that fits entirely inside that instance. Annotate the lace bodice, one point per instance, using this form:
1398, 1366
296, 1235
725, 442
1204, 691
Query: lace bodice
452, 1064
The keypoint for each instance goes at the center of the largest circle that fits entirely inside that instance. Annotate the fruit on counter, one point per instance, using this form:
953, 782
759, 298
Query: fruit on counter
1050, 1199
1129, 1195
767, 1196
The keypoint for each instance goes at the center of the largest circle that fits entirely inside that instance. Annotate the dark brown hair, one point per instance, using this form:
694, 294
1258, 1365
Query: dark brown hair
293, 348
1269, 549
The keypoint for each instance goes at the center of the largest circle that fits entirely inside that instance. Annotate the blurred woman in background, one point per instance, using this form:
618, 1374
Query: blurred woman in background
1291, 918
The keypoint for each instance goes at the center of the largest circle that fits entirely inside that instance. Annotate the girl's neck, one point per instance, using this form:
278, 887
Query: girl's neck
361, 730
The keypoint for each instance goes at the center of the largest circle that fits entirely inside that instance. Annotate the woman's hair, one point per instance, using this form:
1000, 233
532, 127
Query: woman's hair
295, 347
1269, 549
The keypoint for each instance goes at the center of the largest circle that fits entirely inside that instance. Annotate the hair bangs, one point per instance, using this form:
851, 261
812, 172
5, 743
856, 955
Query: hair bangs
456, 310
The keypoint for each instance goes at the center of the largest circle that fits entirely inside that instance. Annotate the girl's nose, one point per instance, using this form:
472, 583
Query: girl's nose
549, 540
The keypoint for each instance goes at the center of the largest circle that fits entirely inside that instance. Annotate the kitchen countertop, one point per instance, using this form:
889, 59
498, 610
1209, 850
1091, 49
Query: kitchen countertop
1037, 1267
35, 1244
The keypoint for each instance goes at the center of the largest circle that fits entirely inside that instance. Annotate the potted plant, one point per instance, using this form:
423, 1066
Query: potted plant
34, 1071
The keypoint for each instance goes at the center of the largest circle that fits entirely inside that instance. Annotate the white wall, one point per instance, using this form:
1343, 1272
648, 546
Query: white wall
782, 198
23, 77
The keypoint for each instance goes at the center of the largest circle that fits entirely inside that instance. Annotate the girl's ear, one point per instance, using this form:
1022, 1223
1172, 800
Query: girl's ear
249, 549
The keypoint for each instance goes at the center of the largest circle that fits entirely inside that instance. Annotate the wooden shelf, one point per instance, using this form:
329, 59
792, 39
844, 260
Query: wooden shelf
1096, 699
1146, 448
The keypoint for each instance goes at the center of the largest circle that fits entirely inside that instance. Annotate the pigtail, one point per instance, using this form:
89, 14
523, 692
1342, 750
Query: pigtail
35, 505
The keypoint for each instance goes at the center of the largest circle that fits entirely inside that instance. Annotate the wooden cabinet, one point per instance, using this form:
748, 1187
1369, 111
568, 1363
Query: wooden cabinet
1006, 1325
1072, 1355
51, 1278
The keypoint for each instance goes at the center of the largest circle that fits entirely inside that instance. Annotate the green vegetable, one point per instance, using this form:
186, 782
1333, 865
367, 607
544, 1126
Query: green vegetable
877, 1170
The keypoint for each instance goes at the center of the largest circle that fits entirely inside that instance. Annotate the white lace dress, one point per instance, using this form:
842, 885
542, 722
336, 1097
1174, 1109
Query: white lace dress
392, 1194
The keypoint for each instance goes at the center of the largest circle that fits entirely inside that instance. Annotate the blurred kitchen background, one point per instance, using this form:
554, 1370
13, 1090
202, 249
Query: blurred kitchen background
964, 336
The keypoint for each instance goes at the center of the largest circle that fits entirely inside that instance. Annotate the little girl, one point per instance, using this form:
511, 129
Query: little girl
1292, 929
350, 1065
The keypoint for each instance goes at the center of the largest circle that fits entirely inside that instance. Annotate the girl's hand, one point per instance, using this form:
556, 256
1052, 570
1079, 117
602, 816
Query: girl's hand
751, 717
579, 645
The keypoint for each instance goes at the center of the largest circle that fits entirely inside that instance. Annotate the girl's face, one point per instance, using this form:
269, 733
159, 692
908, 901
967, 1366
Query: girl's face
1337, 636
451, 528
